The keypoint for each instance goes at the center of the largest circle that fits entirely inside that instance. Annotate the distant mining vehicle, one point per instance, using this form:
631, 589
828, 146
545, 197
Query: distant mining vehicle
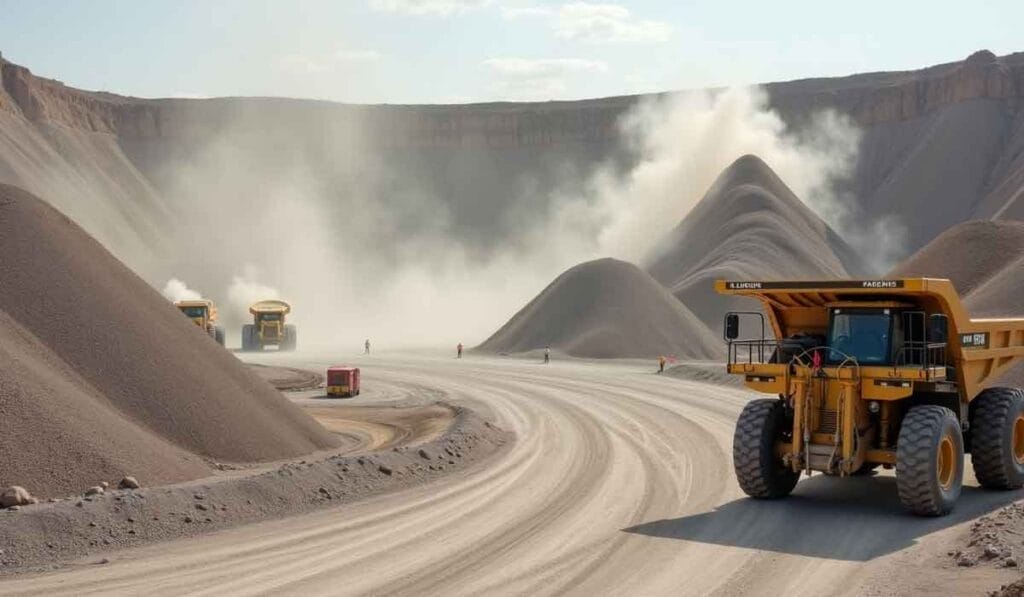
343, 381
203, 313
268, 327
869, 373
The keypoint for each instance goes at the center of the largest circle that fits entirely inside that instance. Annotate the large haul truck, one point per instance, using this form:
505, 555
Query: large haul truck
268, 327
869, 373
203, 313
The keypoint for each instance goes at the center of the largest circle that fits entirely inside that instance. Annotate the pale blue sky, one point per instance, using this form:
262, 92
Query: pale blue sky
416, 51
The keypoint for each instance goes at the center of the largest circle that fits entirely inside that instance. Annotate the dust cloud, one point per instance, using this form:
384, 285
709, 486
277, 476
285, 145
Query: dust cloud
368, 244
686, 140
175, 290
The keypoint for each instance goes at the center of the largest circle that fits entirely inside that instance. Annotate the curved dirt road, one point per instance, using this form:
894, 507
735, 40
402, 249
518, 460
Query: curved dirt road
619, 482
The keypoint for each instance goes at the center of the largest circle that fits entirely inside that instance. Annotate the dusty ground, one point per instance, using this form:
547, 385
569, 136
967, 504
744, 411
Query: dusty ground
384, 449
619, 482
288, 379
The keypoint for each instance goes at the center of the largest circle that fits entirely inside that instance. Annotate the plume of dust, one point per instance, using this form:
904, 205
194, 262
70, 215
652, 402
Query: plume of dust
327, 230
684, 141
175, 290
245, 289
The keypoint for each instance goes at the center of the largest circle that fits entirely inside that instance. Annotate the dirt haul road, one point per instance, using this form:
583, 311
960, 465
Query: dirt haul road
619, 482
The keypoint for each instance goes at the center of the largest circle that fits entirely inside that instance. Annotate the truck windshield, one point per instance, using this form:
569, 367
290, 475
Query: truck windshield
861, 335
194, 312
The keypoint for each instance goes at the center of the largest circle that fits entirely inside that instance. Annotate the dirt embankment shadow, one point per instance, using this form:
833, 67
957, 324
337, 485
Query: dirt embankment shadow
856, 519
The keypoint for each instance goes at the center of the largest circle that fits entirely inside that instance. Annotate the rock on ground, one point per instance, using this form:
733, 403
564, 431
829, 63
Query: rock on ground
16, 495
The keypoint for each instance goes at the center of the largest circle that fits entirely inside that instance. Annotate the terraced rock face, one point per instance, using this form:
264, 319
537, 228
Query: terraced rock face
940, 145
606, 309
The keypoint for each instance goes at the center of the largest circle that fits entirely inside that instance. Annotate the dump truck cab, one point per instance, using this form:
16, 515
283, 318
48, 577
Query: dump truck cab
268, 327
870, 373
203, 313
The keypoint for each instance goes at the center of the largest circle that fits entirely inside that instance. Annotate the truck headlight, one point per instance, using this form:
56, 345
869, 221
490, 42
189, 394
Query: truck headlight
874, 406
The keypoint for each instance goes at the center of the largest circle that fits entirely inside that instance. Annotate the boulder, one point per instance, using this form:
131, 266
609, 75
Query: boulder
16, 495
128, 482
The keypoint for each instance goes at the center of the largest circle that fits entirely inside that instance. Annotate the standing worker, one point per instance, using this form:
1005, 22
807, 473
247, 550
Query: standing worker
661, 364
366, 346
547, 354
458, 349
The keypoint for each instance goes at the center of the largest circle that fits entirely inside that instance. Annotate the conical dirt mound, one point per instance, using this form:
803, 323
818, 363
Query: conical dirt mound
749, 225
104, 377
606, 309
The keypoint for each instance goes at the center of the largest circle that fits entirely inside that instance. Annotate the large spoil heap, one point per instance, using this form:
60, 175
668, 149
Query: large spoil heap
102, 377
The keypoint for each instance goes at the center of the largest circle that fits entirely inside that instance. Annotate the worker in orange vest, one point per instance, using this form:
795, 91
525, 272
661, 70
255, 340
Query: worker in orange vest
458, 349
661, 364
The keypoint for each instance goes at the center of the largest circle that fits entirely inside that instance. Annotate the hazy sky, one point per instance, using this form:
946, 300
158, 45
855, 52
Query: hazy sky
415, 51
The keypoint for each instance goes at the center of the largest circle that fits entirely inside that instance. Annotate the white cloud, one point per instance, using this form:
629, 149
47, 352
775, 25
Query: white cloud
591, 22
526, 11
607, 22
538, 78
427, 7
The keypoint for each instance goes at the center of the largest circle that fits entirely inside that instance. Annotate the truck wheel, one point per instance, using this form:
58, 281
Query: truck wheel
247, 343
929, 460
759, 472
997, 438
290, 339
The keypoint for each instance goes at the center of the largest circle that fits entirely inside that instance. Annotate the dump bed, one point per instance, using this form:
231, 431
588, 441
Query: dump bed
270, 306
980, 350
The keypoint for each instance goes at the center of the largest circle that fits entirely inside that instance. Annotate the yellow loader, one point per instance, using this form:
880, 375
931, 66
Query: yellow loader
869, 373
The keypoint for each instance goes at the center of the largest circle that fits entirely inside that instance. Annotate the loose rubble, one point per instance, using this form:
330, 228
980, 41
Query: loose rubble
125, 517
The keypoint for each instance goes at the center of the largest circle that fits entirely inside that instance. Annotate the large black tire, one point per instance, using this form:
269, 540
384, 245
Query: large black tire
929, 460
247, 338
290, 340
997, 438
759, 471
218, 335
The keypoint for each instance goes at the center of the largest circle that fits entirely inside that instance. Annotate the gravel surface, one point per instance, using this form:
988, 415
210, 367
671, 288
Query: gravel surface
619, 482
91, 529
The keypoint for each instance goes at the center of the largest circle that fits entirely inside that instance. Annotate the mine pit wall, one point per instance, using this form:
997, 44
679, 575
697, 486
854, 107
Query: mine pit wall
137, 139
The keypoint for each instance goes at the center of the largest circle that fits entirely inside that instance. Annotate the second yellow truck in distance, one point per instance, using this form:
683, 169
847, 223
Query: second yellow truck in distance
869, 373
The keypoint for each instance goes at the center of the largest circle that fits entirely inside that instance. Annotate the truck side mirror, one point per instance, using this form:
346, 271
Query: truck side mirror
938, 328
732, 326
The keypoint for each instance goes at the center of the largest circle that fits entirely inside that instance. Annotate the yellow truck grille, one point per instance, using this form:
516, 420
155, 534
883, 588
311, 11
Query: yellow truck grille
828, 421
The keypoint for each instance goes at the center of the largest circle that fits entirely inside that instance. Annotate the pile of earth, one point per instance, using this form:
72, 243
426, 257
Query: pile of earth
985, 261
606, 309
102, 377
748, 226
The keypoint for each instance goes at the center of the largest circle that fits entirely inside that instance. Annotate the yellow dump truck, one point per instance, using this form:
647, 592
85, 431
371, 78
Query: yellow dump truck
203, 313
268, 327
869, 373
